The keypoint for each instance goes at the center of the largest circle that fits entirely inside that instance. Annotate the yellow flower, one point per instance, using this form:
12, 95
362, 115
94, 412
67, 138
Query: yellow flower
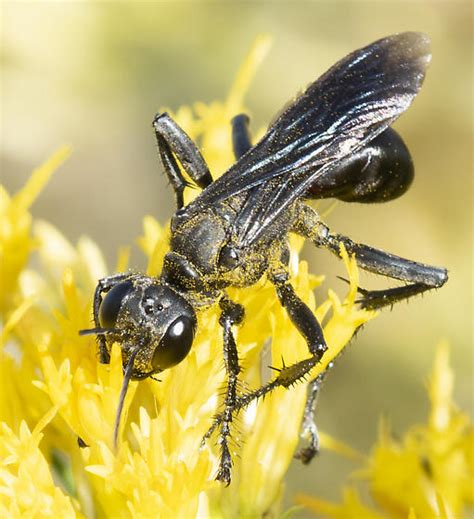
27, 488
15, 223
429, 473
54, 377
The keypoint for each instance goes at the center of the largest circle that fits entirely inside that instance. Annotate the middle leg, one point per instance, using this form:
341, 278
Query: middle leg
308, 326
241, 141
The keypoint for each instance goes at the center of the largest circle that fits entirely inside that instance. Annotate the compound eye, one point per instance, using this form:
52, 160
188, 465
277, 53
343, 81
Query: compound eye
110, 306
175, 344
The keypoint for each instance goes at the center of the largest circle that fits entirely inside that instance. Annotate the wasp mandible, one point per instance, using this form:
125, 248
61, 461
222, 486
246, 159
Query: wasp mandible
333, 141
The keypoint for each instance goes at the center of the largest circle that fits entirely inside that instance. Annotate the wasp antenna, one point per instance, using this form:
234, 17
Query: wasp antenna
97, 331
123, 392
90, 331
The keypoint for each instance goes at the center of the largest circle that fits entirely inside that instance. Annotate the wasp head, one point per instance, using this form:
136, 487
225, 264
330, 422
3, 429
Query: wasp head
153, 324
150, 321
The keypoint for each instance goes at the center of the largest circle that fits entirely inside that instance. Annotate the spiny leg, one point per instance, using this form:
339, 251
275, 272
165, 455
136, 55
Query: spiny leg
174, 141
241, 141
419, 276
307, 324
423, 277
232, 313
309, 430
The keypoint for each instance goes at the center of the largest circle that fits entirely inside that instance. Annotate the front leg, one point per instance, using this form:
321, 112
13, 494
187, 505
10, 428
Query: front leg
174, 141
103, 286
232, 313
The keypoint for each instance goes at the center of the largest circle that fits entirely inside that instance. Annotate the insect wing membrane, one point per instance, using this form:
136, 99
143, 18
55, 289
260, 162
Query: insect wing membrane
348, 106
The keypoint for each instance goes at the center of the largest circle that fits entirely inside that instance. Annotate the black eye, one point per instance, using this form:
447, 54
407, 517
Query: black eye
110, 306
175, 344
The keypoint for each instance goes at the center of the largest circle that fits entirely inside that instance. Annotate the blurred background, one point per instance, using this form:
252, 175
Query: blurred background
94, 74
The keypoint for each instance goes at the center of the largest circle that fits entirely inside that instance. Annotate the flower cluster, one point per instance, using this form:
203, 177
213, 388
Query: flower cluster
55, 391
58, 403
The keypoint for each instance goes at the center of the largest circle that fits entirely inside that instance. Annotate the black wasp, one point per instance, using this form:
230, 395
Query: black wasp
335, 141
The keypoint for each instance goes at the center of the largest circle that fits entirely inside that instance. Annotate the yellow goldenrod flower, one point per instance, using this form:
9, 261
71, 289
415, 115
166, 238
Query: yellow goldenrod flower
56, 387
429, 473
15, 223
27, 488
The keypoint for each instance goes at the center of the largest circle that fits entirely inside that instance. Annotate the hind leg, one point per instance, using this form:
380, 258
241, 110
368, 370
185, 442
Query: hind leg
418, 276
309, 429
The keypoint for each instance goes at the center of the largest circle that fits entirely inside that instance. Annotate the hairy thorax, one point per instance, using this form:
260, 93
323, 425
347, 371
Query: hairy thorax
204, 257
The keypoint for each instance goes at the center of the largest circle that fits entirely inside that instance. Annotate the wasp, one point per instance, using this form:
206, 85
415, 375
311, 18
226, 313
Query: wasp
333, 141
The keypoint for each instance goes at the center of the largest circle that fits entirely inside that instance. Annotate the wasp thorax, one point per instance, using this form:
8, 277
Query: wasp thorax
150, 319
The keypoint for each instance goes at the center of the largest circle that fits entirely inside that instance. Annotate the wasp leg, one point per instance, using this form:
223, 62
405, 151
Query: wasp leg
309, 430
232, 313
173, 141
103, 286
307, 324
241, 141
419, 276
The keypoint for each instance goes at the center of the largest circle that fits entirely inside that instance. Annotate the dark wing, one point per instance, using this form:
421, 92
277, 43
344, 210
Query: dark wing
344, 109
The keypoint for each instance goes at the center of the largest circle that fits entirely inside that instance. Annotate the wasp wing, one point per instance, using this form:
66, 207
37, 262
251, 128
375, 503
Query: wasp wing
344, 109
